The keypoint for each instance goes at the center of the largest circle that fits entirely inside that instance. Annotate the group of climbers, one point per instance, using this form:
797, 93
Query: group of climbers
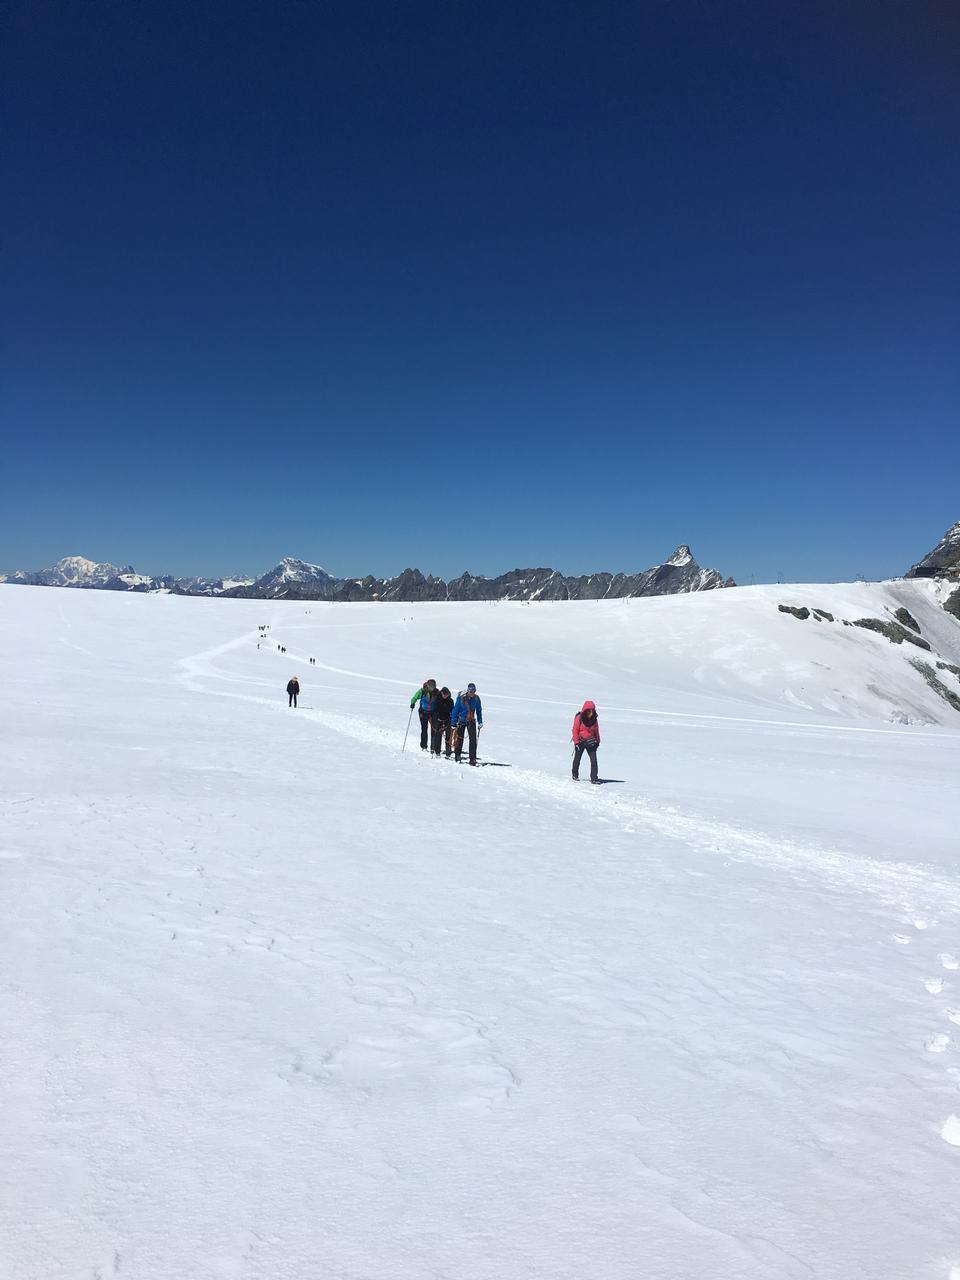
448, 720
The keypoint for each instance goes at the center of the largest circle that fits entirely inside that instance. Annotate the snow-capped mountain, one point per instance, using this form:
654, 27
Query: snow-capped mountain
300, 580
210, 586
293, 579
291, 572
943, 561
71, 571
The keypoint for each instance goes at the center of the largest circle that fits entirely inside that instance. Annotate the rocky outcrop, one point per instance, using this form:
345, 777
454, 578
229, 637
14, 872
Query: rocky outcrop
943, 561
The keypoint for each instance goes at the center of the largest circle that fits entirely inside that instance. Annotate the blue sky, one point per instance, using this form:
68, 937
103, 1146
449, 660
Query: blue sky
481, 285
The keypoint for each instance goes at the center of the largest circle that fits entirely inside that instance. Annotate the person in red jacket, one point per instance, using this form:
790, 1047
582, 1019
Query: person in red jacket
586, 737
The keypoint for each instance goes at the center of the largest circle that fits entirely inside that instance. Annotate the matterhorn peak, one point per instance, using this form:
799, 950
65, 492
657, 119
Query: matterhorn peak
681, 557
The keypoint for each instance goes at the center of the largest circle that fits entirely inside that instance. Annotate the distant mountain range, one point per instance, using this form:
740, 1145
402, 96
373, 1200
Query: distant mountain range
295, 579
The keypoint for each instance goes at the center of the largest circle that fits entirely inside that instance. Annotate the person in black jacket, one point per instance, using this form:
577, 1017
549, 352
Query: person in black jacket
440, 724
293, 691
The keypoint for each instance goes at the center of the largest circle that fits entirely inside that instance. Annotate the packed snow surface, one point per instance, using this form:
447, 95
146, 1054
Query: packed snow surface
283, 1001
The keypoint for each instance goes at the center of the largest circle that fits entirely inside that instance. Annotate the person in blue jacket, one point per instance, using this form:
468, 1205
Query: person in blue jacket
467, 718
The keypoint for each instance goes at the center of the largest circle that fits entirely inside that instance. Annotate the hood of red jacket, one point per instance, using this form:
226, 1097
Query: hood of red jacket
588, 706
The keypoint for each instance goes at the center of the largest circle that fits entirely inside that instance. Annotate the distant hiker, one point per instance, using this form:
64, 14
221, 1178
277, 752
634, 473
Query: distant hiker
293, 691
586, 737
440, 730
426, 695
467, 717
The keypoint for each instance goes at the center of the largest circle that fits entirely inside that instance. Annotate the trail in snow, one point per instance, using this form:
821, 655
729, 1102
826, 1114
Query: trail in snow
905, 886
331, 1010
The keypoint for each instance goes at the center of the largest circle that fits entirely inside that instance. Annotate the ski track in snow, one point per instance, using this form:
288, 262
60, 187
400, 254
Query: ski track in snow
903, 885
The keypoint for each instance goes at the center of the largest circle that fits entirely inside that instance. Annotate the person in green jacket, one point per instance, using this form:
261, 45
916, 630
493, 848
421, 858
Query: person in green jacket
426, 695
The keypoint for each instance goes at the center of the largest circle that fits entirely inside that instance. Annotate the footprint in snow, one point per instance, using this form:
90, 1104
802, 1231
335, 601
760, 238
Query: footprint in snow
938, 1043
934, 985
948, 961
902, 939
919, 922
954, 1016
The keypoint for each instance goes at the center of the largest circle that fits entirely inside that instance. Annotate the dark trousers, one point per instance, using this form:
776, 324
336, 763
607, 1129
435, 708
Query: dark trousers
293, 700
470, 728
424, 726
578, 751
439, 730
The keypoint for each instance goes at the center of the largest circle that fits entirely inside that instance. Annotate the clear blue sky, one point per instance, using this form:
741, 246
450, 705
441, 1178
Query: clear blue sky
479, 285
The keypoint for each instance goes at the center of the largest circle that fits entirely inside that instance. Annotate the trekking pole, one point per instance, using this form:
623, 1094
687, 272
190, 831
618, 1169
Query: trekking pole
409, 718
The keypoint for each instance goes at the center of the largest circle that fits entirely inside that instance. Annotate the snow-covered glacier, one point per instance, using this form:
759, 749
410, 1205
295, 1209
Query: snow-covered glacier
281, 999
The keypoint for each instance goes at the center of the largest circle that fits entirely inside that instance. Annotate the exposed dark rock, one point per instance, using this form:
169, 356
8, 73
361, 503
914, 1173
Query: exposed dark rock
943, 561
892, 630
952, 604
937, 685
802, 612
907, 618
823, 615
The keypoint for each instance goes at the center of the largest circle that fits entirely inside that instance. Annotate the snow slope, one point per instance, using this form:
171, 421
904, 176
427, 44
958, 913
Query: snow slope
282, 1001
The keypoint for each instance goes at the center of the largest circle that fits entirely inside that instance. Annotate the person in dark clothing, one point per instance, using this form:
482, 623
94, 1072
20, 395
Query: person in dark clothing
293, 691
426, 695
467, 718
586, 737
440, 726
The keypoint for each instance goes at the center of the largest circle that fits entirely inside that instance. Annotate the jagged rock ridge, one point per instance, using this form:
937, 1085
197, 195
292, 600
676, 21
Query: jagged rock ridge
294, 579
943, 561
679, 574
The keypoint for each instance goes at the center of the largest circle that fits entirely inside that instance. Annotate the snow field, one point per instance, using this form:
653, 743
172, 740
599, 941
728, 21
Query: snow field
291, 1003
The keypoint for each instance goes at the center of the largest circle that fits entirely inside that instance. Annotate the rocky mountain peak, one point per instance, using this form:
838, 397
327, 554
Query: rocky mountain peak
681, 557
943, 561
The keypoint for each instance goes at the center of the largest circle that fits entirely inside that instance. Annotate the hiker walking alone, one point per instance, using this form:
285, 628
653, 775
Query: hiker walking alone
586, 737
467, 718
426, 695
293, 691
440, 732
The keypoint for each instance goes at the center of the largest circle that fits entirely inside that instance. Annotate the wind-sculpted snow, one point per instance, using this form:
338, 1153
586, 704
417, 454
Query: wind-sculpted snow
289, 1001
